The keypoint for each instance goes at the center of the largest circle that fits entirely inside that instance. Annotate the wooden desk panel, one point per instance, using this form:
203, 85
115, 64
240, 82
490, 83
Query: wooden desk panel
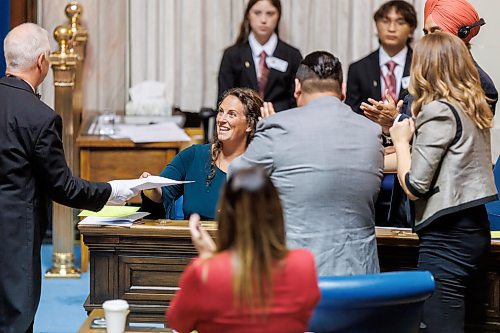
142, 264
105, 164
104, 159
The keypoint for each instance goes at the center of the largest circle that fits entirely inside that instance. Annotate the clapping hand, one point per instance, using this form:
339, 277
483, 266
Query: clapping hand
202, 241
266, 110
402, 132
382, 112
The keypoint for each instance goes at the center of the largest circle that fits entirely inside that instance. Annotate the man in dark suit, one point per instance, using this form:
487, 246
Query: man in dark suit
389, 66
33, 171
384, 75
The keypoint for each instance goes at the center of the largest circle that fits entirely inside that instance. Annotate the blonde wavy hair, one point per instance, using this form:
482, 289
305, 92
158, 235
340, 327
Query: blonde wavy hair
443, 68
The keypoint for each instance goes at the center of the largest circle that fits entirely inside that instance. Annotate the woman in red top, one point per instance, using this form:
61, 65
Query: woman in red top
249, 281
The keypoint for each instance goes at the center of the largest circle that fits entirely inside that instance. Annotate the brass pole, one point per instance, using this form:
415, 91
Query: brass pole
78, 44
63, 63
74, 12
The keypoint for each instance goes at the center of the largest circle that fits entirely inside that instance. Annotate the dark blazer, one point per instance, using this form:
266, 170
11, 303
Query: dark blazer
363, 80
33, 171
237, 69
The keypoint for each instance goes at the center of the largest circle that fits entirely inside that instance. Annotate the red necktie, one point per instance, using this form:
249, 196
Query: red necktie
264, 72
390, 81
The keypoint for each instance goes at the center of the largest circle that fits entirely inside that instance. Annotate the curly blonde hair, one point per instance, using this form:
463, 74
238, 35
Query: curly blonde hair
443, 68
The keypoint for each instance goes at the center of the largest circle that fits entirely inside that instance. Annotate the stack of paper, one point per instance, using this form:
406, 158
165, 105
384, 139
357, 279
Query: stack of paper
112, 215
157, 132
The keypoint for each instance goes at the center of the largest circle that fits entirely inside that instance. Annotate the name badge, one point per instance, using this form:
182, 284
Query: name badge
405, 82
277, 64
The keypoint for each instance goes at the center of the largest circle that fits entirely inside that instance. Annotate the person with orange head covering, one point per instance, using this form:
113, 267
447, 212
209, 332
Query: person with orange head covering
458, 17
452, 16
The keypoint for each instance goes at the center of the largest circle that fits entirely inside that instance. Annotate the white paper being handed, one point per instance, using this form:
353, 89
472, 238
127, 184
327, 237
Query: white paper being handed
154, 182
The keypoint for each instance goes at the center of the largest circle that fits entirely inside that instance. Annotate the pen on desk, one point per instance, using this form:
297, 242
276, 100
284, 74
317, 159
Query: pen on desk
150, 123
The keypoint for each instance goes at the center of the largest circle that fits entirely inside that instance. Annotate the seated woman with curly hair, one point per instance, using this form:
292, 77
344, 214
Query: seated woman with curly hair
206, 164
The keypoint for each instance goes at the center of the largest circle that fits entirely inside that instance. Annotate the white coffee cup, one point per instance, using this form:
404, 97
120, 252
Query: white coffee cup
116, 312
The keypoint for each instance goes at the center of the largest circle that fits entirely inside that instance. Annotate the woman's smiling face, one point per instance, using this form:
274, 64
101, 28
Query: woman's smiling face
232, 122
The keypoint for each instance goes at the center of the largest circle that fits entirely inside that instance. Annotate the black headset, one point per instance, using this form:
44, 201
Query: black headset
464, 30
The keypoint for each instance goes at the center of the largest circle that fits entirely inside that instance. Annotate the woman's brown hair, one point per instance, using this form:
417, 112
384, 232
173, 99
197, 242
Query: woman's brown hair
443, 68
245, 24
252, 103
251, 224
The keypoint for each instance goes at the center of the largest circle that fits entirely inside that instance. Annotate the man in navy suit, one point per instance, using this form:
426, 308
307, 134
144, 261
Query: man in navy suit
384, 74
371, 76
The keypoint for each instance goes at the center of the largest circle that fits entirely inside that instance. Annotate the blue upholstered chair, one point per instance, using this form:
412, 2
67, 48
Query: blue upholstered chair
179, 212
493, 208
376, 303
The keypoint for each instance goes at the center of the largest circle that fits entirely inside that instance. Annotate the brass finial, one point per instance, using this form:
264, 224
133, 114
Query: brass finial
73, 12
63, 35
78, 41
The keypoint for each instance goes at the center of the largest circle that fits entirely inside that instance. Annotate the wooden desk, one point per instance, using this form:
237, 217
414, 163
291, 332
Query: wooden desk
99, 313
142, 264
103, 159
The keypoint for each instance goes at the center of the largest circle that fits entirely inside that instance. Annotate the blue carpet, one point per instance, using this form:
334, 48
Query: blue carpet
61, 305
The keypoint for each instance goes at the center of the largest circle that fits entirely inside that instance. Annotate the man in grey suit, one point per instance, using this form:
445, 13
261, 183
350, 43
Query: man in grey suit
326, 162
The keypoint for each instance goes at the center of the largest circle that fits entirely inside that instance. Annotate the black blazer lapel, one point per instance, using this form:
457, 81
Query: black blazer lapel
374, 76
403, 91
247, 59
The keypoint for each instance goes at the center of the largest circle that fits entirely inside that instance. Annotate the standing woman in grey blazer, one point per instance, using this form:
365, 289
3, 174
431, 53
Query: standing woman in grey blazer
447, 173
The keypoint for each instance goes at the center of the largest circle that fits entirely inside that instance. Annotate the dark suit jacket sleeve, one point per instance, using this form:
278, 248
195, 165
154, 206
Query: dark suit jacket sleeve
226, 79
295, 61
353, 93
405, 110
51, 167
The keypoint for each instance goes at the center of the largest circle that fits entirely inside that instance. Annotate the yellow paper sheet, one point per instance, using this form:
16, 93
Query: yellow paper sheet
111, 211
495, 234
